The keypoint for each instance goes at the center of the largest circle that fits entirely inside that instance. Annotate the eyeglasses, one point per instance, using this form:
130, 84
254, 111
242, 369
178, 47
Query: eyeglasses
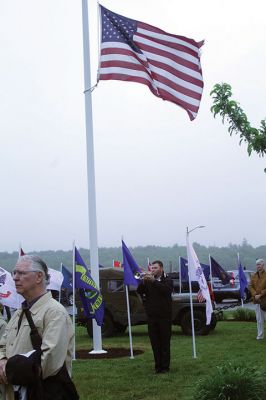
21, 273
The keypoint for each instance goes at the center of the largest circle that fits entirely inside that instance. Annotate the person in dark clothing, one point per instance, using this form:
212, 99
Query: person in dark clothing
156, 292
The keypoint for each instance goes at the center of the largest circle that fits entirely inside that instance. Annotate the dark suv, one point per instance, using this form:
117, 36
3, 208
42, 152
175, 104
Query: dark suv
116, 319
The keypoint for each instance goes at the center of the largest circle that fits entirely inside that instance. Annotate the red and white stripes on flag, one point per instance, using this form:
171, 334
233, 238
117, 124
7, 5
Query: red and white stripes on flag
200, 296
168, 64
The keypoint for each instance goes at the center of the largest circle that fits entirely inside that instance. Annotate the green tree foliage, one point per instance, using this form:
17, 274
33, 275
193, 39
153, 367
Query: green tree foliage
226, 256
238, 122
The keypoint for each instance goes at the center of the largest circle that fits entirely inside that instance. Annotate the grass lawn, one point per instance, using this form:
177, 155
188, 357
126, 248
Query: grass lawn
134, 379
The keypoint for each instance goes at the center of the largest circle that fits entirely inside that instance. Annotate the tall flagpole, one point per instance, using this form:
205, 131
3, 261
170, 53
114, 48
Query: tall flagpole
210, 263
180, 276
190, 289
129, 324
238, 265
60, 291
74, 298
94, 258
191, 300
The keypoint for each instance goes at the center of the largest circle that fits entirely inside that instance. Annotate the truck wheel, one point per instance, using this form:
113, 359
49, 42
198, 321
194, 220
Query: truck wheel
199, 323
107, 327
213, 323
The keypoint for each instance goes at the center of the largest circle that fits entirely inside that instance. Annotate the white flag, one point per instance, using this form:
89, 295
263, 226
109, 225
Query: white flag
56, 279
194, 268
8, 294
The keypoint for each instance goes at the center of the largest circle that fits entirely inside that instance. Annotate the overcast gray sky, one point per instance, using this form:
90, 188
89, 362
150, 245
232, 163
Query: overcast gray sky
156, 171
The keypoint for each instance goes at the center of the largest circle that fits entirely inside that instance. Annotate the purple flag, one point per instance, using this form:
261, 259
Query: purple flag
242, 281
130, 267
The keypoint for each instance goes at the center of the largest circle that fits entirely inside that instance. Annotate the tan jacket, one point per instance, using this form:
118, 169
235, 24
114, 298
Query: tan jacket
55, 328
2, 326
258, 285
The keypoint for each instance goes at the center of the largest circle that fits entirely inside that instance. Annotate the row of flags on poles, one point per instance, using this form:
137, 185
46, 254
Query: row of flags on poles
90, 296
213, 270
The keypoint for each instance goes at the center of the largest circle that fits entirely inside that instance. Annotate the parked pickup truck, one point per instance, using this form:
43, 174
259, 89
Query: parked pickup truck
116, 319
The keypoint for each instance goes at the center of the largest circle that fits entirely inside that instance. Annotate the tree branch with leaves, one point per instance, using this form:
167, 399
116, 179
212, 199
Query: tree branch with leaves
230, 111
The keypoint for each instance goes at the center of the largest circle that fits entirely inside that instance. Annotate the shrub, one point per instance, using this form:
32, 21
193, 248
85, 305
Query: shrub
232, 382
244, 314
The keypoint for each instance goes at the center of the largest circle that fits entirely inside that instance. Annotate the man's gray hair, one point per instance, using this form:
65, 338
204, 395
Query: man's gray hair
260, 261
37, 264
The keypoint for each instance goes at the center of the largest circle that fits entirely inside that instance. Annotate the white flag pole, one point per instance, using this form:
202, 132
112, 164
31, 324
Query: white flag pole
210, 271
238, 264
59, 297
180, 278
19, 250
94, 257
190, 298
129, 324
74, 299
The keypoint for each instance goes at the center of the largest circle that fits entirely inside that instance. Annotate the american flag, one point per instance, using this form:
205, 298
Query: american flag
168, 64
200, 297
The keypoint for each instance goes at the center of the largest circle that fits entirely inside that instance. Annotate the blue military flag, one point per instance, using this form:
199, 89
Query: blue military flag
219, 272
184, 270
242, 281
90, 295
130, 267
68, 278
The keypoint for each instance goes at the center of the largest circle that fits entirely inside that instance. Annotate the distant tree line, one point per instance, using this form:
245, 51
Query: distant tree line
226, 256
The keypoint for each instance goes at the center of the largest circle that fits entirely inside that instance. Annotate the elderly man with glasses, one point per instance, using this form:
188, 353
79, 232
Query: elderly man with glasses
258, 291
54, 331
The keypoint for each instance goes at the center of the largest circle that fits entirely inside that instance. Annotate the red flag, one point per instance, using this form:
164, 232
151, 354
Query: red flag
168, 64
116, 264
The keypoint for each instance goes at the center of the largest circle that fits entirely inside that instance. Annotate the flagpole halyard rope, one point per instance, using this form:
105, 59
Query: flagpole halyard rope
91, 89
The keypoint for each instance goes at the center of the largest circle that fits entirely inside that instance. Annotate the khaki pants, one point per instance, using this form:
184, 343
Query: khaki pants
260, 317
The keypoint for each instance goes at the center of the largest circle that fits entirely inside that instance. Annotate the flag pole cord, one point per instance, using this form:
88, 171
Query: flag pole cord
91, 89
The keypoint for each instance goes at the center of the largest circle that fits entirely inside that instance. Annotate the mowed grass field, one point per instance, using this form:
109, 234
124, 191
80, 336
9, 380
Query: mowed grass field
134, 379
